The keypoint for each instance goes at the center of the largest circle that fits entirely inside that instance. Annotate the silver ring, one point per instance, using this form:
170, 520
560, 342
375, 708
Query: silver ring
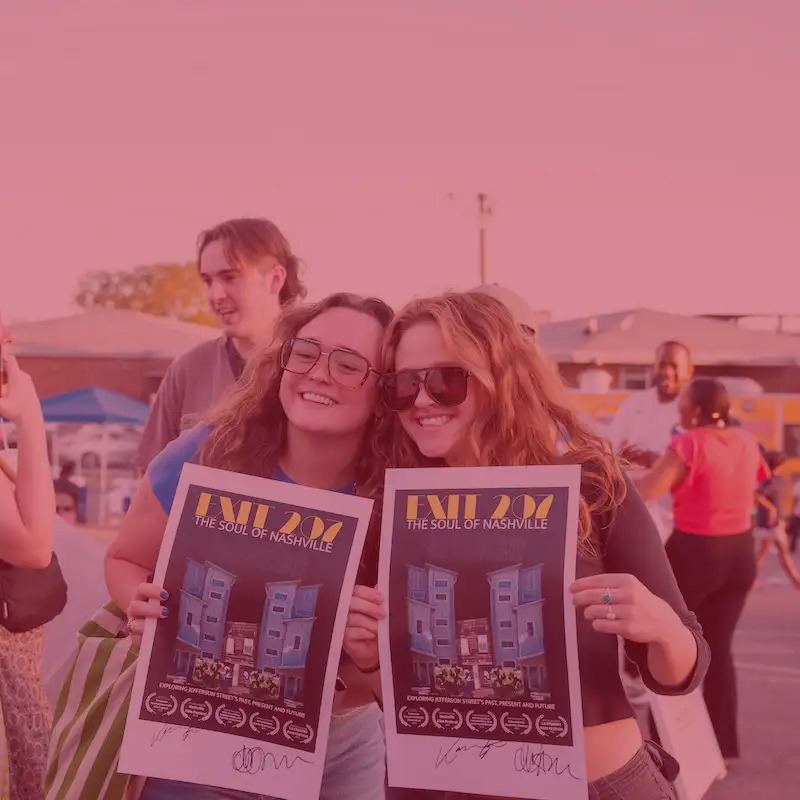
611, 615
128, 628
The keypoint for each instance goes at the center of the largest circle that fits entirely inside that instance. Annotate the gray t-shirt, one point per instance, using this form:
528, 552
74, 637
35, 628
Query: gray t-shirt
192, 385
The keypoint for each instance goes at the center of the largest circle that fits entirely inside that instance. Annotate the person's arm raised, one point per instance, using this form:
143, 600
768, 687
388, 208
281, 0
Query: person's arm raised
28, 504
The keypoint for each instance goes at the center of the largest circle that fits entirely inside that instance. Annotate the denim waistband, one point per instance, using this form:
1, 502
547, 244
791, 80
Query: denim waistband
642, 778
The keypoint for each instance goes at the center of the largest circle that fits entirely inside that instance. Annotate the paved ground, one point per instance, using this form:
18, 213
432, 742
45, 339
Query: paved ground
767, 652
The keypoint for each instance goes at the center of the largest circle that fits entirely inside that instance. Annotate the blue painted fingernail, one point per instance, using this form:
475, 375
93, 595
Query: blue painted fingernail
165, 595
164, 612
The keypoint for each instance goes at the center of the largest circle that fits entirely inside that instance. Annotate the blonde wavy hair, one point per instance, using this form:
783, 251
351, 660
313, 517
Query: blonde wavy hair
522, 403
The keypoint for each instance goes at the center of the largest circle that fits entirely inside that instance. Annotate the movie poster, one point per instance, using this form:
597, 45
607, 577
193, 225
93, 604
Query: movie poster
479, 652
235, 687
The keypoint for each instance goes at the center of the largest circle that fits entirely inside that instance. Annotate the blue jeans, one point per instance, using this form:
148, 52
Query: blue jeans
640, 779
355, 765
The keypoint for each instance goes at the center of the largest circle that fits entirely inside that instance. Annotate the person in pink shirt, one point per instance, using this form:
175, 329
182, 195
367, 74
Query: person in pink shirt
713, 471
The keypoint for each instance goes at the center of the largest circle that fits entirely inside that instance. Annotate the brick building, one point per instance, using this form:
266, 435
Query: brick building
123, 351
622, 345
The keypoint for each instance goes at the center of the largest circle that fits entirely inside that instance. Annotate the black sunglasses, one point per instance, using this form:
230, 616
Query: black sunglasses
446, 386
350, 370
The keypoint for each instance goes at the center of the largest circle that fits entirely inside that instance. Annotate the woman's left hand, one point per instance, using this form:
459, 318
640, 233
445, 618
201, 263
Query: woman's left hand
623, 606
361, 632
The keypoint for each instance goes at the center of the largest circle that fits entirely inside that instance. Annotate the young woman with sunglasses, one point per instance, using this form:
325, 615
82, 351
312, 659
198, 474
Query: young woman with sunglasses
469, 388
303, 412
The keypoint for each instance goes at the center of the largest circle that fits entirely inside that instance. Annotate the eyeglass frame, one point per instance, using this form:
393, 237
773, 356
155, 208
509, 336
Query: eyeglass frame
423, 376
327, 353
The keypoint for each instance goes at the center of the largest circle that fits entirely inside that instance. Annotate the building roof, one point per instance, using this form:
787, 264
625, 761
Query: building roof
632, 337
114, 333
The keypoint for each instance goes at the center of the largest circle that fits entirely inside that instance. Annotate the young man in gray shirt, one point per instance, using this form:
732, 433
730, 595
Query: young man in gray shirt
249, 274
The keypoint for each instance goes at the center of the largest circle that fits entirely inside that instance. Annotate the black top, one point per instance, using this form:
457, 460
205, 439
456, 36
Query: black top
628, 543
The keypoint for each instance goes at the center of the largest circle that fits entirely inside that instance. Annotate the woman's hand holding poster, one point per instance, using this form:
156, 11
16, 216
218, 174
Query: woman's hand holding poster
235, 687
479, 659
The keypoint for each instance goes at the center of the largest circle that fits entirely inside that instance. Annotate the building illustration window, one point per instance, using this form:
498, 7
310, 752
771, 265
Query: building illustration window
276, 645
510, 638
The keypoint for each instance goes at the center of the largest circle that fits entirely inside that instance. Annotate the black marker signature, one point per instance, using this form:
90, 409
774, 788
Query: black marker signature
253, 759
169, 729
540, 763
456, 749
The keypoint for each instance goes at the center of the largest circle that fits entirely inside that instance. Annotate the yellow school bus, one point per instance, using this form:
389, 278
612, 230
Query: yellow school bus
774, 419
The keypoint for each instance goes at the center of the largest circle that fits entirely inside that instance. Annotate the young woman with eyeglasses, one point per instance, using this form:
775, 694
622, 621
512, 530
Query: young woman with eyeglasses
303, 412
469, 388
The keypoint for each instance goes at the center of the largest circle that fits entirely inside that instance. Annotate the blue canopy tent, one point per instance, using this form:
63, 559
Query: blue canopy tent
95, 405
98, 406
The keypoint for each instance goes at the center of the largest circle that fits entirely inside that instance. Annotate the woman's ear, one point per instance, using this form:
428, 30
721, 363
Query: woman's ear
277, 279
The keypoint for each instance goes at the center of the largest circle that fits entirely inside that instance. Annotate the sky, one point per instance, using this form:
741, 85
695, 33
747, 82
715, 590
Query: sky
635, 154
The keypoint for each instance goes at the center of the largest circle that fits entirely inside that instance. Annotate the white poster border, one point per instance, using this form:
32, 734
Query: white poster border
510, 772
171, 752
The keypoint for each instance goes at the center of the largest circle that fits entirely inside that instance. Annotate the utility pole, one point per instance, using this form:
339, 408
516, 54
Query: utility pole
484, 210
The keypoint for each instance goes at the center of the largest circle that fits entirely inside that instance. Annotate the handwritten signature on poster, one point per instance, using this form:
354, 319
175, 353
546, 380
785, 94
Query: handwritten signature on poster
527, 758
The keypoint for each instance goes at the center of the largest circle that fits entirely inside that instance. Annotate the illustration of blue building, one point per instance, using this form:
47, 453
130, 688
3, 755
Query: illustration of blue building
516, 607
431, 620
285, 632
515, 621
202, 611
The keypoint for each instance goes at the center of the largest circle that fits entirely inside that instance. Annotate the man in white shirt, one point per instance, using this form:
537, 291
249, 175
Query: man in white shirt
641, 432
648, 421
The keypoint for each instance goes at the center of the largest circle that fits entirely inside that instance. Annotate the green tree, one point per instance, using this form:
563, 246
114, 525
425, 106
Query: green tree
166, 290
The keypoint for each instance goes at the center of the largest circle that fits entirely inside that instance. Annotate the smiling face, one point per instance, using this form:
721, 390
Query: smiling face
438, 431
672, 371
313, 401
245, 299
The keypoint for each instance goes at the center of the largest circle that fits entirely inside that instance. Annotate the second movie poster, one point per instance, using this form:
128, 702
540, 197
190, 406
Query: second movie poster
479, 667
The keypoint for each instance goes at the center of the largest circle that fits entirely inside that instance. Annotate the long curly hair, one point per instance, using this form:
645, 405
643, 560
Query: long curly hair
522, 403
248, 427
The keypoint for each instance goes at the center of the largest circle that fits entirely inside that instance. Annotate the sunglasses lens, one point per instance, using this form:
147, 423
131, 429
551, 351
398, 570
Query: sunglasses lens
399, 391
447, 386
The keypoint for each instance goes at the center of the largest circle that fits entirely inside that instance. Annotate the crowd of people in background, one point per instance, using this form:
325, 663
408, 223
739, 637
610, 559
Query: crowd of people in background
689, 557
